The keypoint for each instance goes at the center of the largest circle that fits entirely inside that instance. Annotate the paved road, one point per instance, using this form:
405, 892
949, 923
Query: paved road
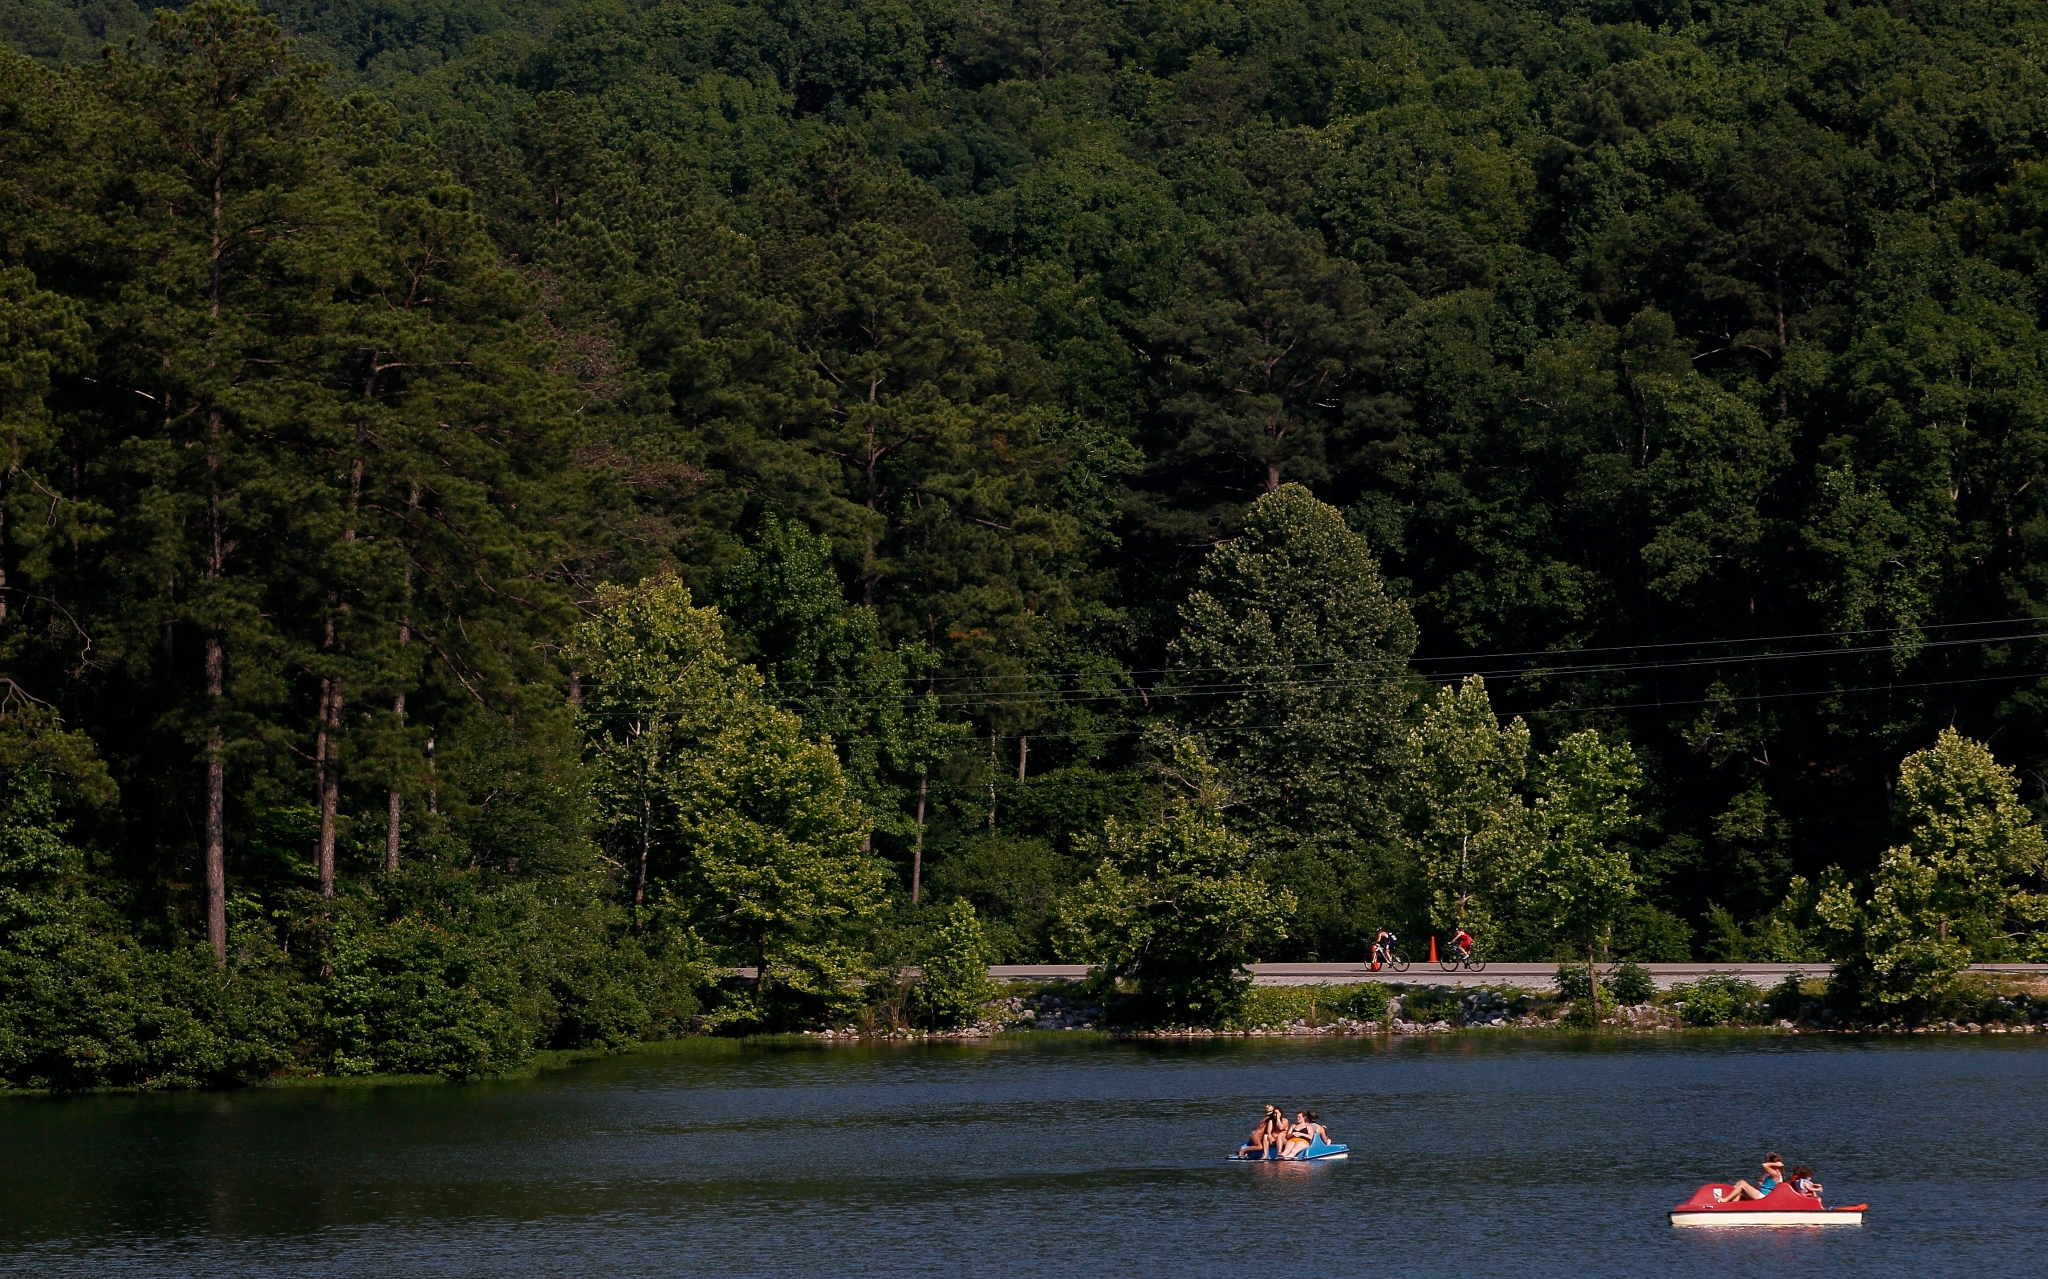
1532, 976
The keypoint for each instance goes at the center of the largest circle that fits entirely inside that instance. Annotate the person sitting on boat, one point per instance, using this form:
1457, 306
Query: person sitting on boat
1804, 1184
1303, 1134
1271, 1132
1774, 1172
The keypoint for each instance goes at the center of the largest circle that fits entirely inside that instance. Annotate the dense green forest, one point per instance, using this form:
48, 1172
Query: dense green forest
516, 510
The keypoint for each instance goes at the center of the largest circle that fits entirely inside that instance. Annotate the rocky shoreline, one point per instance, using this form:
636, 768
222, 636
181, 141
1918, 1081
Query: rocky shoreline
1481, 1010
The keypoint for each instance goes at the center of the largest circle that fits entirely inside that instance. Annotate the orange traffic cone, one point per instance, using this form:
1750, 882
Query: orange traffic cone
1432, 950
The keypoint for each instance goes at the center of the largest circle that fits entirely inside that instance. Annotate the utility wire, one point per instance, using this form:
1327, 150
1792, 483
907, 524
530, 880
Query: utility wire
1227, 730
996, 697
1469, 659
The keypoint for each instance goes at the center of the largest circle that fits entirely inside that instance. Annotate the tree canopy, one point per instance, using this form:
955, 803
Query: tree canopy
1555, 462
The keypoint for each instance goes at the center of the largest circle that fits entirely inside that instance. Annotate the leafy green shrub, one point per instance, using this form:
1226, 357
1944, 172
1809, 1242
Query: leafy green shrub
1317, 1005
1573, 982
84, 1004
425, 995
1631, 983
955, 955
1431, 1003
603, 985
1980, 998
1368, 1002
1717, 998
1788, 997
1575, 986
1281, 1005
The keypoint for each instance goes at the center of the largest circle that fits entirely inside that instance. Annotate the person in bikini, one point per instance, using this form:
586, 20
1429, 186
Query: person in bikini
1774, 1172
1271, 1132
1303, 1134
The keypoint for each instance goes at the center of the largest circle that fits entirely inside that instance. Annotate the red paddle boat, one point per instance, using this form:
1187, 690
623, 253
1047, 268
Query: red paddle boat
1784, 1206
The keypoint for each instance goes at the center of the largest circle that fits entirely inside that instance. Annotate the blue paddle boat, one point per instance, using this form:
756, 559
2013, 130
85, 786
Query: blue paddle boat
1319, 1150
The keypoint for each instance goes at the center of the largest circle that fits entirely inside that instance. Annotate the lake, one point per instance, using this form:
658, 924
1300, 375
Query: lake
1473, 1155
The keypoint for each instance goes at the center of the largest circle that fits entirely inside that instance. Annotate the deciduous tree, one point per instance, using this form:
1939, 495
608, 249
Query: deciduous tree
1177, 902
1291, 671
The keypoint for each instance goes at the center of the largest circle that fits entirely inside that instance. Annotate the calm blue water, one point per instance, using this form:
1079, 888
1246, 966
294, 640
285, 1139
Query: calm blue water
1481, 1156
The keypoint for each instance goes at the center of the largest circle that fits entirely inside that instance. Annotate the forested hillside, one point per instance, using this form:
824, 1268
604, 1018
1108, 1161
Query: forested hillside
514, 509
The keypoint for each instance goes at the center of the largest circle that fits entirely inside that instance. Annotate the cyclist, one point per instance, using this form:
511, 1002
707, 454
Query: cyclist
1462, 945
1383, 947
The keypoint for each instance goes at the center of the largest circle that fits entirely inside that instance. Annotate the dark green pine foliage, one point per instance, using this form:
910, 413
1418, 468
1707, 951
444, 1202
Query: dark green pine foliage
828, 662
1709, 340
1263, 354
316, 510
207, 425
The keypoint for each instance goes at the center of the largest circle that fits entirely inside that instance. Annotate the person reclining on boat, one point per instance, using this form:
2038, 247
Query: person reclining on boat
1804, 1184
1303, 1134
1271, 1132
1774, 1172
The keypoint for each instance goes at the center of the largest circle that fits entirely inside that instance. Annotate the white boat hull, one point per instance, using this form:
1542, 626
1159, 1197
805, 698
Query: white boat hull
1766, 1218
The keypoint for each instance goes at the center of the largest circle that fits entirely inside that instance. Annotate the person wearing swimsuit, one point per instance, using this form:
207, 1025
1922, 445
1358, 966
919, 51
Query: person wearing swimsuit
1774, 1172
1272, 1129
1302, 1134
1316, 1131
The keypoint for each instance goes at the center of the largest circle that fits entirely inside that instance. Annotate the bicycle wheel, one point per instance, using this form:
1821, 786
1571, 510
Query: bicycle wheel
1475, 965
1449, 963
1397, 963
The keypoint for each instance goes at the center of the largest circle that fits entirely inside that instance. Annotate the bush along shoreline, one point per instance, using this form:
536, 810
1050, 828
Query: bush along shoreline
1800, 1004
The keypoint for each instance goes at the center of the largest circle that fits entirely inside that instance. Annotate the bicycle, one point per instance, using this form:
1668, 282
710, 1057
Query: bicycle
1390, 956
1468, 960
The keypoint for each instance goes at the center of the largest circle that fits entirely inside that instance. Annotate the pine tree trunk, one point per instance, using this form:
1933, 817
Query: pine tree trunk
216, 802
330, 786
216, 852
393, 809
393, 802
917, 849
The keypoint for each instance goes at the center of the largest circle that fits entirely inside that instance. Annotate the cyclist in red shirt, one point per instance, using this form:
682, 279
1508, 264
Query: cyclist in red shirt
1463, 944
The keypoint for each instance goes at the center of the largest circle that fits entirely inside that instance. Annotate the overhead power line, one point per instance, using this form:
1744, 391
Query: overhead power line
1228, 730
996, 697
